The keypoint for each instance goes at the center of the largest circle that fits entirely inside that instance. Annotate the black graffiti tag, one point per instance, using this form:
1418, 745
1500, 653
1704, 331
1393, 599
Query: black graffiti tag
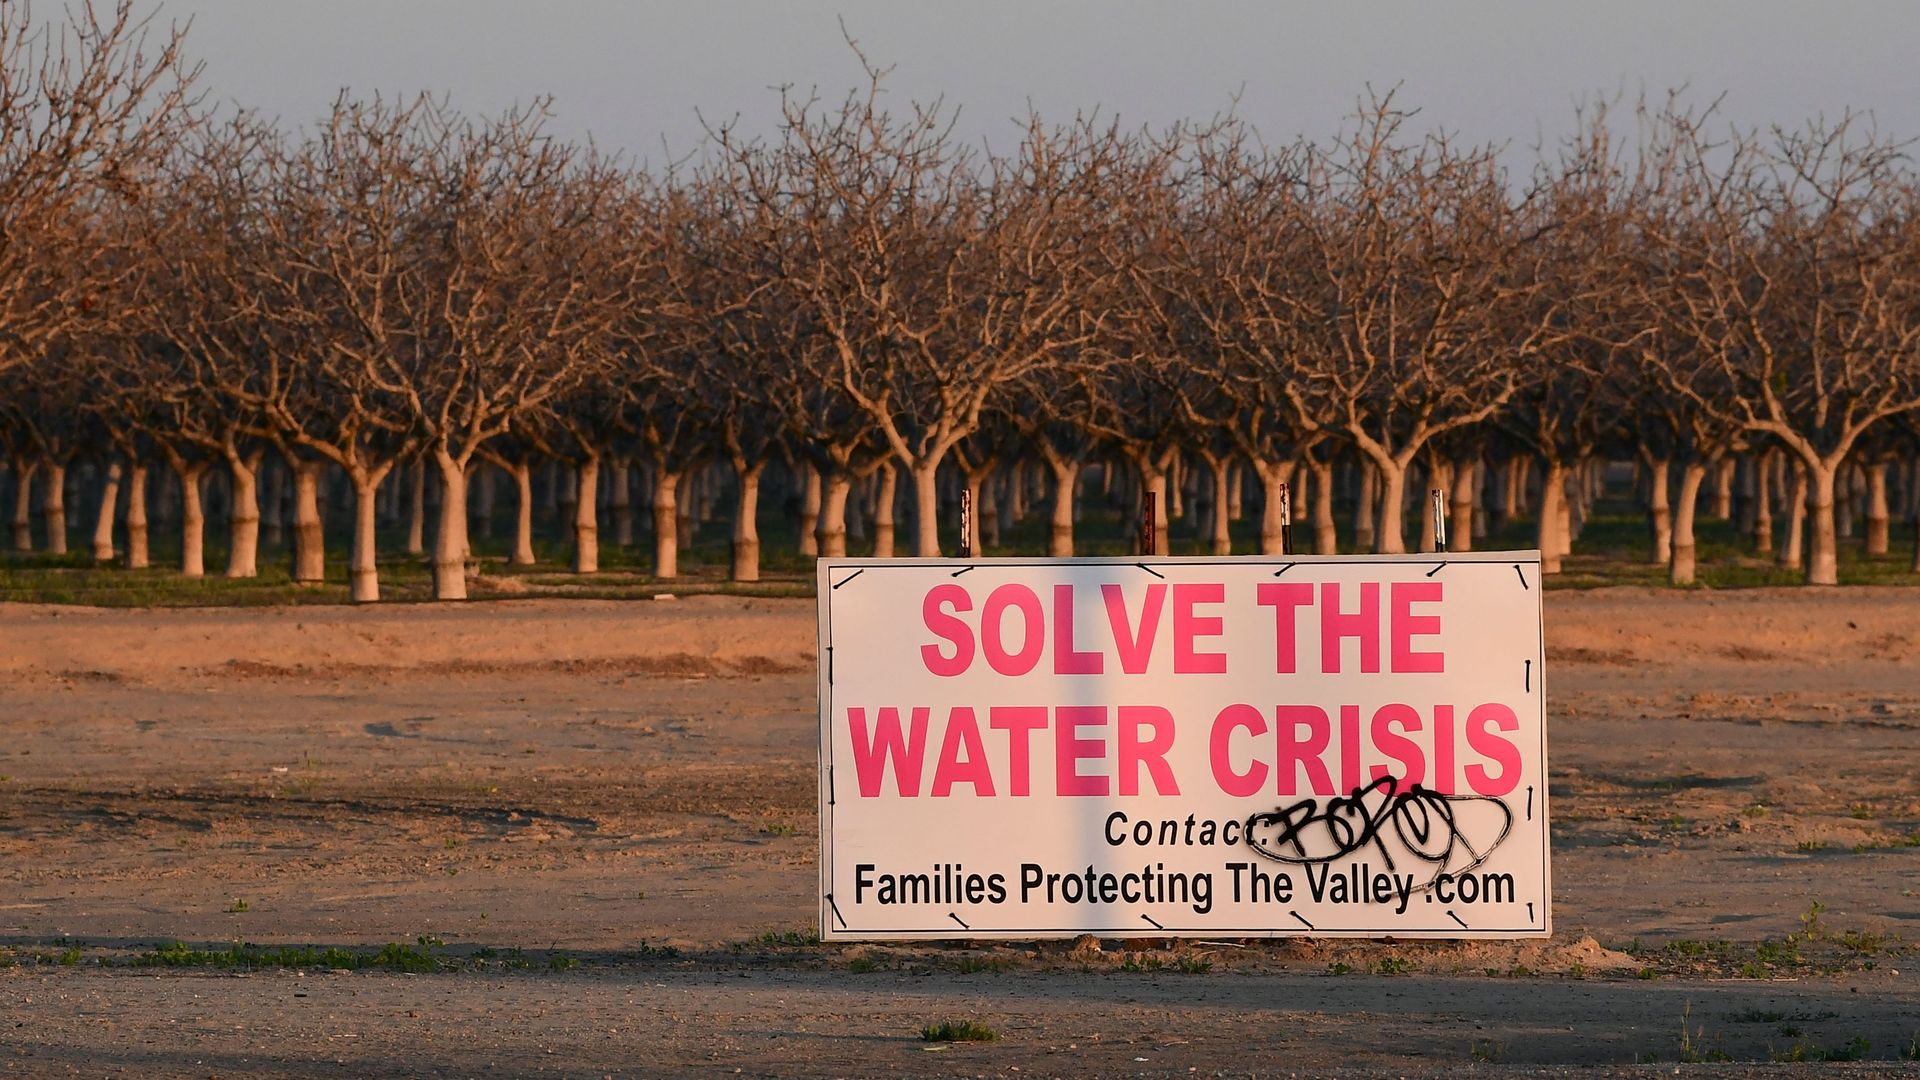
1426, 824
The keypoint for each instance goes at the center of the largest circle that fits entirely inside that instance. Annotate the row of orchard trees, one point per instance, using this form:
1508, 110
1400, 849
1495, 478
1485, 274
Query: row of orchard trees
876, 302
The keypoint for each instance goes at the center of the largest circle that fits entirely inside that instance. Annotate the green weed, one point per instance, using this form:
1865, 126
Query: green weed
958, 1031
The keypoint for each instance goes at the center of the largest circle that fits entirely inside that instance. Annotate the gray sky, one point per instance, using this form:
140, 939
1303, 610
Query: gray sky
633, 72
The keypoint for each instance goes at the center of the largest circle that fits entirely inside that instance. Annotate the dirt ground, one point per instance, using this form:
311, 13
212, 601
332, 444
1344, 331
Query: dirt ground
597, 819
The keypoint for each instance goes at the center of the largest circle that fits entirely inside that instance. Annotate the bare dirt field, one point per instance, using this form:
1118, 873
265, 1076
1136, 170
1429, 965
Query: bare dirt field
587, 831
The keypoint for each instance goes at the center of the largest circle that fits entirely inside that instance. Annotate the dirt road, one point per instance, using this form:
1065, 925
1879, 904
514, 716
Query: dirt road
573, 801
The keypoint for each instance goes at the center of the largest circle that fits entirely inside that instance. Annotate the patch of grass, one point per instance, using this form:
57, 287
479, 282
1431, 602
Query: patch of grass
861, 965
1911, 1051
1392, 965
1647, 973
1142, 963
238, 906
1195, 965
1864, 942
1754, 969
973, 965
1756, 810
1692, 948
1339, 969
390, 957
1860, 812
68, 957
779, 828
1811, 845
1854, 1049
958, 1031
562, 962
1487, 1050
1810, 927
1786, 951
782, 939
1693, 1044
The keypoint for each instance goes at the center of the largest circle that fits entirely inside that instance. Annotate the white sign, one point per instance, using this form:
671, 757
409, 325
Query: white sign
1151, 747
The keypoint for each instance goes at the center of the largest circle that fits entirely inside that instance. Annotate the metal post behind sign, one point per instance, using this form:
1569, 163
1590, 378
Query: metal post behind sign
1286, 519
1439, 520
966, 523
1148, 534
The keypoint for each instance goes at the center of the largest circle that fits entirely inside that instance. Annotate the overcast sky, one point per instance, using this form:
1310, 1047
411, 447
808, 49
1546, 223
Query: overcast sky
634, 73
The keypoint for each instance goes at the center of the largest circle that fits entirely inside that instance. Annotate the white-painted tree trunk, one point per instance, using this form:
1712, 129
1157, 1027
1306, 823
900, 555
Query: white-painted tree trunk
746, 520
522, 473
1547, 526
23, 471
926, 509
1273, 475
1460, 504
1763, 502
243, 526
1391, 536
810, 512
1792, 541
137, 556
1326, 539
1066, 479
586, 517
1659, 511
450, 535
53, 507
105, 510
1692, 476
666, 523
363, 561
1823, 546
1879, 521
831, 534
309, 529
193, 520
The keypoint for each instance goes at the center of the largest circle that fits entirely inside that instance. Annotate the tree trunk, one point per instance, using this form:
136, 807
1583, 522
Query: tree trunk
417, 507
450, 531
522, 473
193, 520
666, 527
831, 533
926, 508
621, 502
684, 505
1066, 481
1460, 505
1823, 547
1364, 504
53, 507
586, 517
1547, 526
1792, 545
243, 525
1879, 521
363, 568
1273, 474
1660, 511
309, 532
1763, 503
1391, 537
1221, 515
1326, 539
886, 493
746, 519
1723, 489
273, 515
1692, 476
106, 509
137, 558
23, 504
810, 512
483, 500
